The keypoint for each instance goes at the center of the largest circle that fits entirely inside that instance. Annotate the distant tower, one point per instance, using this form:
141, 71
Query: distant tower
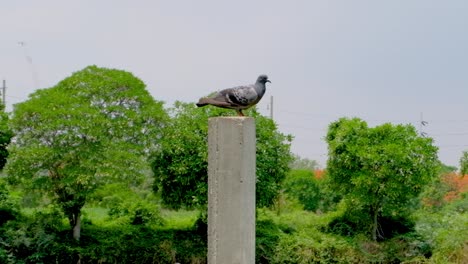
271, 107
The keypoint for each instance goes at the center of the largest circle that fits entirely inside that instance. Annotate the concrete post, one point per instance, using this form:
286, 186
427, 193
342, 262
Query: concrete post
231, 190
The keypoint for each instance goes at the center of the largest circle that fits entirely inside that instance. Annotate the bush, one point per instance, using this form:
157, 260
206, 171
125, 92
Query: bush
302, 248
267, 237
313, 193
33, 239
445, 231
301, 184
8, 207
136, 213
355, 221
43, 238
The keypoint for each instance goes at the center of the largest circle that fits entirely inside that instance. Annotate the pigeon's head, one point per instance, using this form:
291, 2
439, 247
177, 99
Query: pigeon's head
263, 79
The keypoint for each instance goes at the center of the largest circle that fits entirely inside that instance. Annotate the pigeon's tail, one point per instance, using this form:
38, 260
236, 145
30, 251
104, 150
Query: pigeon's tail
202, 102
211, 101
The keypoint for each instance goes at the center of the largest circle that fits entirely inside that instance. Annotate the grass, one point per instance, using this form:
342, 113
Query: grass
299, 220
97, 215
181, 219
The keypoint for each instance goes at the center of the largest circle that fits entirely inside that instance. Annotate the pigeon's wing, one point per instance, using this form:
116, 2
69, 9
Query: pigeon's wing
243, 96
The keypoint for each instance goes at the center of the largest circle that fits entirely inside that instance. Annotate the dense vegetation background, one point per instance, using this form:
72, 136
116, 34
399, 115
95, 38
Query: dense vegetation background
97, 171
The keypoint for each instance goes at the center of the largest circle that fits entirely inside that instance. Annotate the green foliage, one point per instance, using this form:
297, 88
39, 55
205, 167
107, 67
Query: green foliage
354, 222
136, 213
41, 239
464, 163
446, 231
293, 237
379, 170
444, 169
140, 244
113, 194
32, 239
402, 249
180, 219
314, 194
92, 128
296, 237
128, 205
302, 248
433, 195
5, 136
273, 158
180, 165
302, 185
329, 198
268, 235
9, 209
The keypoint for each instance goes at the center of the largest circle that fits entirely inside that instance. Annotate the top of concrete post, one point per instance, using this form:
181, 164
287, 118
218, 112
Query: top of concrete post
232, 117
237, 119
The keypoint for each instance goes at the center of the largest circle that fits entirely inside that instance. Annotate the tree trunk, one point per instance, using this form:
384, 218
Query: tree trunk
76, 225
375, 224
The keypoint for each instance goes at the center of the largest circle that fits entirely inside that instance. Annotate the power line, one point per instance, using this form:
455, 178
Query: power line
418, 121
450, 134
16, 97
452, 146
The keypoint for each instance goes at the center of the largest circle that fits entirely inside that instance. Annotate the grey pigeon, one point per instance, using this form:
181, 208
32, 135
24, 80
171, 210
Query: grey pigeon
238, 98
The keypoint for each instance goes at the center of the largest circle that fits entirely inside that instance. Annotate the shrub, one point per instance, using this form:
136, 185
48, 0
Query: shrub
33, 239
302, 185
302, 248
43, 238
353, 222
8, 207
136, 213
267, 237
445, 231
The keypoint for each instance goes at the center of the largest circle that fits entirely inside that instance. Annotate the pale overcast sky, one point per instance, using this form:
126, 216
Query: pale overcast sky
382, 61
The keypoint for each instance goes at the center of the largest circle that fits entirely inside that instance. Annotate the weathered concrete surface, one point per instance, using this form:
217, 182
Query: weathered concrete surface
231, 190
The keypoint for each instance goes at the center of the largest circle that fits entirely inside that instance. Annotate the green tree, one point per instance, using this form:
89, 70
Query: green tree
8, 206
379, 170
433, 196
180, 165
464, 163
299, 163
5, 136
303, 185
94, 127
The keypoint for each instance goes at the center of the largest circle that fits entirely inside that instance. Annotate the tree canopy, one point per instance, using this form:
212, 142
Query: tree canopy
180, 165
94, 127
464, 163
303, 185
5, 136
379, 170
299, 163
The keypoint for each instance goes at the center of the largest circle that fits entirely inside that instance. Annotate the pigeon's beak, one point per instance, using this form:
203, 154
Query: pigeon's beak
268, 81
